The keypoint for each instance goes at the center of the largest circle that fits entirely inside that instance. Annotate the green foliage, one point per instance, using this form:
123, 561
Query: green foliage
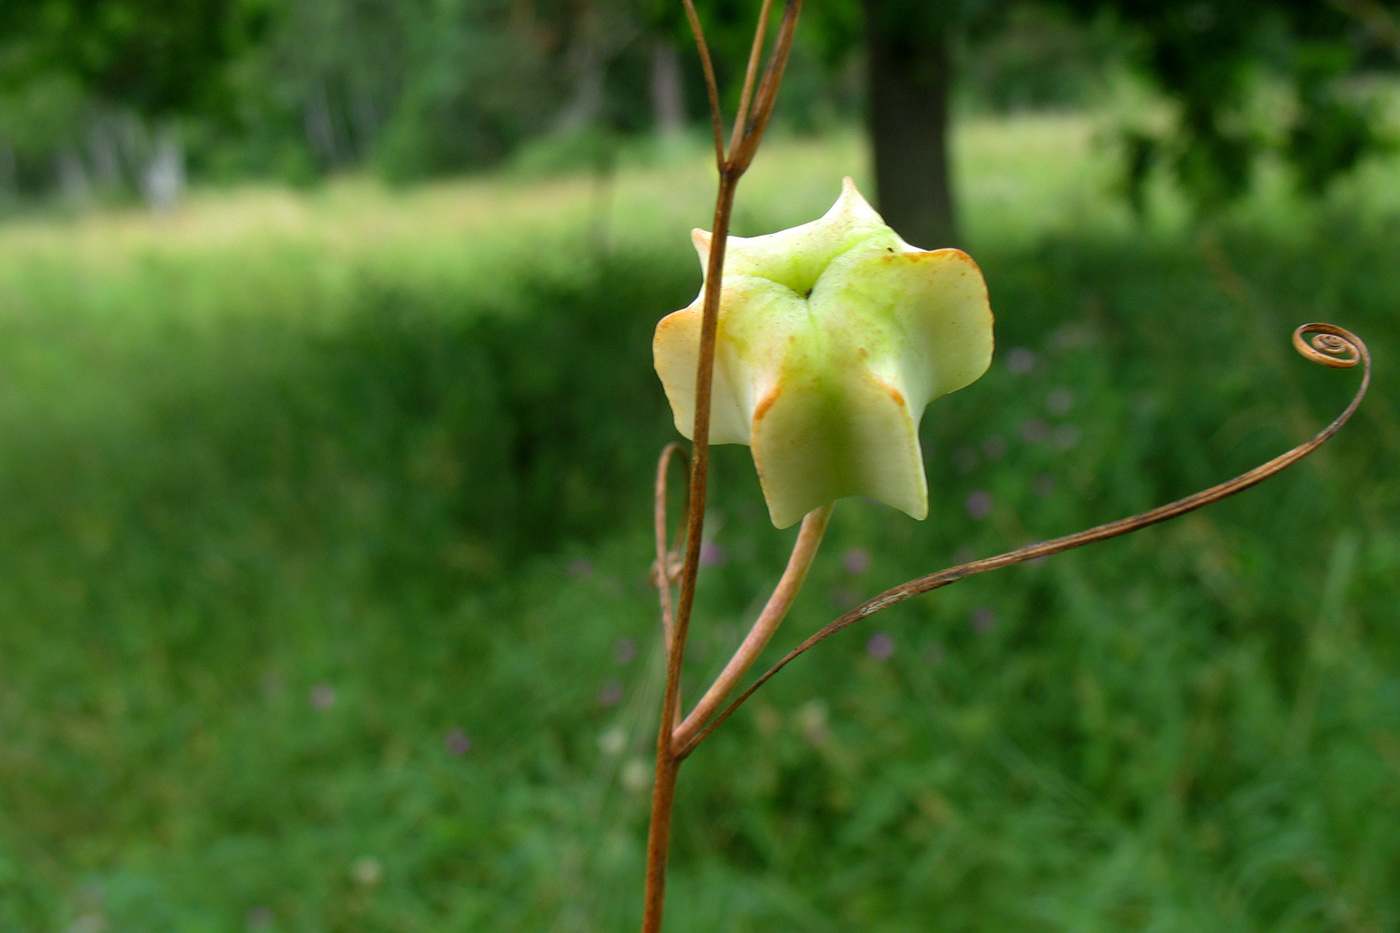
301, 89
1036, 57
326, 601
156, 57
477, 88
41, 116
1214, 61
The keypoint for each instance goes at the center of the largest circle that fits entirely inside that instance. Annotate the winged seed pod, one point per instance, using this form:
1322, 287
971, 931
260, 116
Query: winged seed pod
832, 338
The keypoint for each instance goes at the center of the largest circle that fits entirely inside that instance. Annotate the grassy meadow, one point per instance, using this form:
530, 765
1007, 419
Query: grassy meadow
325, 539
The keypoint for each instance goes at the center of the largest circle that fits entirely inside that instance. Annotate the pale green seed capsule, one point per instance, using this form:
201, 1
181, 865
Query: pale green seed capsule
833, 337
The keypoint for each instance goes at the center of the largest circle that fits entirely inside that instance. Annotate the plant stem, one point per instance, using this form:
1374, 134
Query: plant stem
748, 132
667, 761
803, 551
750, 73
663, 797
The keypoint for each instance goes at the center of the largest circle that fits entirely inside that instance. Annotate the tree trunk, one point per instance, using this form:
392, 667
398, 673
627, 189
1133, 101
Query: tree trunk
319, 122
910, 77
73, 185
163, 180
585, 106
667, 97
585, 63
104, 143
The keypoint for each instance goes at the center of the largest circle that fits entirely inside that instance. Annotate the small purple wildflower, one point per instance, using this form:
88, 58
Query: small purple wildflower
979, 504
259, 918
713, 554
611, 694
880, 646
322, 697
1033, 431
856, 561
1059, 401
965, 459
983, 618
1069, 335
624, 650
1066, 437
844, 597
1021, 360
457, 743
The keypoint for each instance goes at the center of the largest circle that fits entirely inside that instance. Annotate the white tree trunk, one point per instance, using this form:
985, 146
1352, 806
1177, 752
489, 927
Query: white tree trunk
667, 99
73, 185
163, 181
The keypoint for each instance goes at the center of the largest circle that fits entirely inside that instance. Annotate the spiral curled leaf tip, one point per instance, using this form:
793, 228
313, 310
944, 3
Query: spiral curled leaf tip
1330, 345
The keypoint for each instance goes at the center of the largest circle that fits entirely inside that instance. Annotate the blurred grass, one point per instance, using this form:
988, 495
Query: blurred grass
325, 600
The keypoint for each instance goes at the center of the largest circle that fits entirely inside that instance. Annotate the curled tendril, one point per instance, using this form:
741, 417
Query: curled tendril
667, 568
1331, 346
1328, 345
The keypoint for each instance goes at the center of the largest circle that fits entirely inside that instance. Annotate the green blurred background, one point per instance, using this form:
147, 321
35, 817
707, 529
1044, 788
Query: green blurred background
329, 427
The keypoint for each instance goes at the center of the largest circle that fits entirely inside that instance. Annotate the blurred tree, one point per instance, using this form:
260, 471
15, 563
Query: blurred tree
92, 91
910, 74
346, 63
154, 56
1207, 56
478, 80
1210, 58
135, 65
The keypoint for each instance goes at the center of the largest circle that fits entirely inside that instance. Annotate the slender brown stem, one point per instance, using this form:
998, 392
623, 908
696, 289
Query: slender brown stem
1332, 346
700, 435
707, 65
751, 74
730, 170
667, 762
803, 551
663, 798
777, 63
749, 135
